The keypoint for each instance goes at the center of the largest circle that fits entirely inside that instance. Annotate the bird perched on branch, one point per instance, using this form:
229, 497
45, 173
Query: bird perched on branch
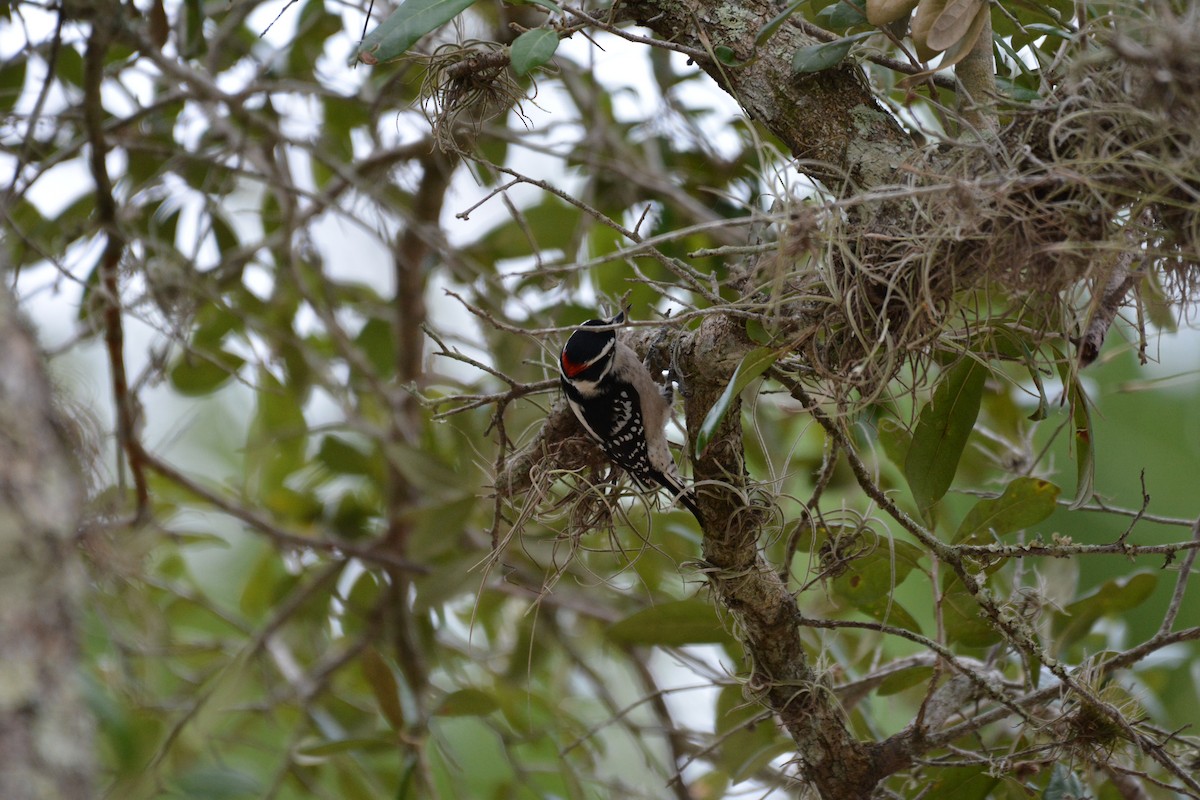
621, 406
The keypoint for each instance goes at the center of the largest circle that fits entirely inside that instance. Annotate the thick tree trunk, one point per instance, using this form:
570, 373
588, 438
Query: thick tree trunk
46, 748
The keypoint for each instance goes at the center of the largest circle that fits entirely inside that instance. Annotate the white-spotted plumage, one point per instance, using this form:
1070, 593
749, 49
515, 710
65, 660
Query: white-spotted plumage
620, 405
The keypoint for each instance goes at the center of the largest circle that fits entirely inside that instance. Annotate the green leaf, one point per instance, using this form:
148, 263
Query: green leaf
870, 578
757, 331
217, 783
895, 440
1043, 408
361, 599
1015, 91
1064, 784
382, 681
191, 34
960, 783
671, 625
865, 570
1114, 597
964, 621
160, 226
223, 233
549, 5
1025, 502
818, 57
904, 679
747, 743
942, 430
754, 364
353, 779
424, 470
213, 323
438, 527
69, 66
407, 24
890, 612
377, 343
1048, 30
754, 761
726, 55
263, 584
550, 225
354, 744
532, 49
199, 539
840, 16
442, 583
194, 374
314, 26
341, 457
340, 118
12, 81
276, 444
768, 30
467, 703
351, 517
287, 503
24, 219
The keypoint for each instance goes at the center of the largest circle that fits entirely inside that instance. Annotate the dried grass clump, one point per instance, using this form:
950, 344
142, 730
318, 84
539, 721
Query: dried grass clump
1024, 232
1129, 122
466, 85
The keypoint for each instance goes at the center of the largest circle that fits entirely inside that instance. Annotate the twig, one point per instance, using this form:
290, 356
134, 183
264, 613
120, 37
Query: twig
454, 355
1060, 550
466, 214
39, 104
691, 52
1109, 302
338, 549
279, 16
943, 653
110, 263
805, 523
1126, 782
473, 401
688, 275
1185, 571
822, 35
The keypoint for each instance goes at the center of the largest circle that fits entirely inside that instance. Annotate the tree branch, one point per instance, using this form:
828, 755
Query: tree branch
124, 401
829, 120
976, 76
781, 678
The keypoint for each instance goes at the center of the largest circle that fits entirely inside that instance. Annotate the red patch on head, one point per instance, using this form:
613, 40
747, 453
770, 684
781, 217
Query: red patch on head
571, 368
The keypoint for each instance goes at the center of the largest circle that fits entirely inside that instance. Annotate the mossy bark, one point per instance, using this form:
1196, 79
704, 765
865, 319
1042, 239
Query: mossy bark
46, 748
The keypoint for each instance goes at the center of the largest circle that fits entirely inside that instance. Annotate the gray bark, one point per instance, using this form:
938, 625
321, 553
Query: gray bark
46, 748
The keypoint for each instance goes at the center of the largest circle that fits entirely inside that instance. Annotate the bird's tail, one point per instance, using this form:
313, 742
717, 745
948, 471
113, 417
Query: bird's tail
682, 493
688, 498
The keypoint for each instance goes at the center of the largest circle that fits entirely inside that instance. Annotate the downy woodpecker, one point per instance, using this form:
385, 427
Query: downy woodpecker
621, 407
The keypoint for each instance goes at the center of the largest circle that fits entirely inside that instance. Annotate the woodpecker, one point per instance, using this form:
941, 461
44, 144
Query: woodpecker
621, 407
